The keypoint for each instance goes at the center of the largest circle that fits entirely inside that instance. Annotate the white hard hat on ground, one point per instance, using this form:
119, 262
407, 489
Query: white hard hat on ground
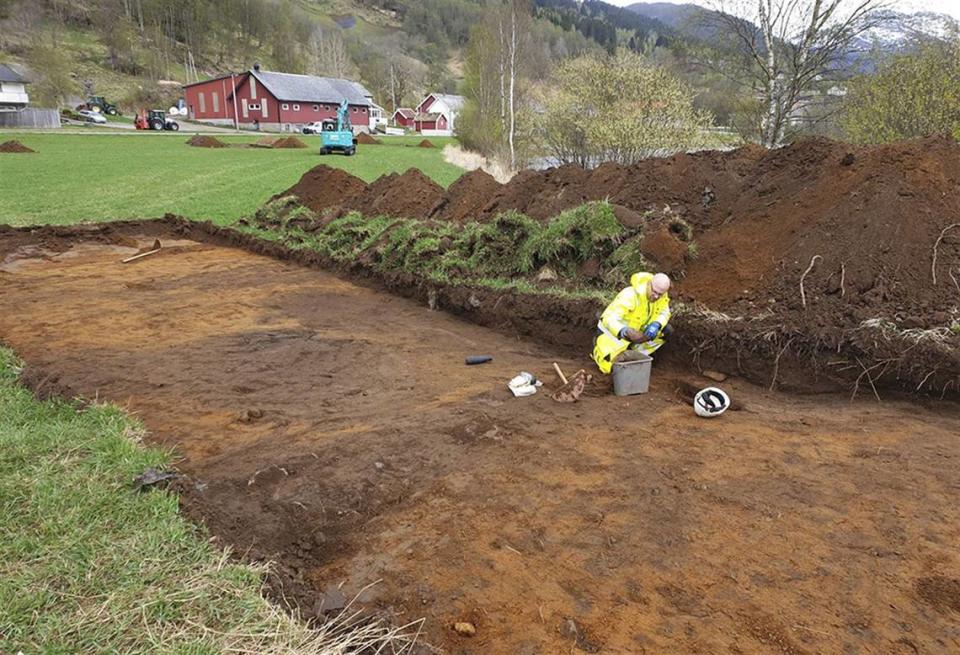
710, 402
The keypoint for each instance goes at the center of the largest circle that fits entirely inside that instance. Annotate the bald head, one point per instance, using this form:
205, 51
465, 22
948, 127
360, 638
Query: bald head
659, 285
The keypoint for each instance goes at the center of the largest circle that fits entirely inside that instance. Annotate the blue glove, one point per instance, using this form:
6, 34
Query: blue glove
652, 330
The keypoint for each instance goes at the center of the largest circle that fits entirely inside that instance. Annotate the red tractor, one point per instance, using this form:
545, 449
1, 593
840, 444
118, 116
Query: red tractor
155, 119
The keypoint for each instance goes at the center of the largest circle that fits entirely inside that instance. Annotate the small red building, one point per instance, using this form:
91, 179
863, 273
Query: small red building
437, 114
281, 102
403, 117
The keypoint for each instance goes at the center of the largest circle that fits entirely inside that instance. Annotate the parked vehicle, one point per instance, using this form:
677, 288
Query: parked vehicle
313, 128
91, 116
100, 104
155, 119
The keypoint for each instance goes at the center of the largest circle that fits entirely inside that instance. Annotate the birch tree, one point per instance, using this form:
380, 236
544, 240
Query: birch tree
496, 62
328, 54
780, 50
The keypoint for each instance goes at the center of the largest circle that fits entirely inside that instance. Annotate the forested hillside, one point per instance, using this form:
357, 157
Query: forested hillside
126, 49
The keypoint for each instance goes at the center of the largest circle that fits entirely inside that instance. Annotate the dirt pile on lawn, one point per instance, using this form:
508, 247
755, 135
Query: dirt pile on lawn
265, 142
14, 146
323, 186
199, 141
289, 142
425, 144
366, 139
408, 195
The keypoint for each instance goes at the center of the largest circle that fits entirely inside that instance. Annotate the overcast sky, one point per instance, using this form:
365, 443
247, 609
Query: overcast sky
951, 7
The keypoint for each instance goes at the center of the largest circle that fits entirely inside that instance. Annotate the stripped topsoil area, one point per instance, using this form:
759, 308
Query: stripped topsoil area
334, 428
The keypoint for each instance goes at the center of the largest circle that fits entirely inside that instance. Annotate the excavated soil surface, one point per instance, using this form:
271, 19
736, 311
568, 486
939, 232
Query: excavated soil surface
334, 428
14, 146
205, 142
425, 144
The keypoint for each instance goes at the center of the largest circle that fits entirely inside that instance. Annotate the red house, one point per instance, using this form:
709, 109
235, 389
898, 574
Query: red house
403, 117
437, 114
280, 102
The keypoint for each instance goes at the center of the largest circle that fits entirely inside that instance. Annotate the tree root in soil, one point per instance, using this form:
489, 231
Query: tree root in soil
933, 265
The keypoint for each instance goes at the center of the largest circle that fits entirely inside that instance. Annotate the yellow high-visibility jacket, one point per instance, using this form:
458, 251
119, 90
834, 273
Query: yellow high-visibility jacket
631, 308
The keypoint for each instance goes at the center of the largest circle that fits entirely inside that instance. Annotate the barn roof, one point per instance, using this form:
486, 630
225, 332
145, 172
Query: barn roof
7, 74
405, 112
428, 117
307, 88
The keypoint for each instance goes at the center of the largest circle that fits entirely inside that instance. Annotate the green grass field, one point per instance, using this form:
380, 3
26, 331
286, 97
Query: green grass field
102, 177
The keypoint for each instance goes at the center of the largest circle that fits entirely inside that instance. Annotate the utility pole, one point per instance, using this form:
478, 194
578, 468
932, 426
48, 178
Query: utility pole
236, 115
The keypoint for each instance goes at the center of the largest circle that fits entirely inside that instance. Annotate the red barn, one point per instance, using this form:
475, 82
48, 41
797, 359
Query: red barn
281, 102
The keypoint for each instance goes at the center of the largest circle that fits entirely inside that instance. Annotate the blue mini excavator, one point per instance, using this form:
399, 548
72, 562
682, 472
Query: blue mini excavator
337, 135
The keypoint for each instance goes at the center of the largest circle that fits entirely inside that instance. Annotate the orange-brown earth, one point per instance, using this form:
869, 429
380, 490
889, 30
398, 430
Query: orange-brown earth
335, 428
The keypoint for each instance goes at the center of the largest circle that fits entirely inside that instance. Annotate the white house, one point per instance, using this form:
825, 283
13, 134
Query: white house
436, 115
13, 90
376, 114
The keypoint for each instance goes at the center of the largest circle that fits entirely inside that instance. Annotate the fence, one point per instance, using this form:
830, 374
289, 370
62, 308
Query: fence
43, 118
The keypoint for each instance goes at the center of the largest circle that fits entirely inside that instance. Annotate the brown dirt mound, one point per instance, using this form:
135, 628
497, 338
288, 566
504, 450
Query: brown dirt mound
463, 197
410, 195
199, 141
867, 218
323, 186
289, 142
366, 139
14, 146
425, 144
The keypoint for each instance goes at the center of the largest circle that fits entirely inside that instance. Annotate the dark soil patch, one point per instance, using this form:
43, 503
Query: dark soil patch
425, 144
200, 141
14, 146
265, 142
940, 592
366, 139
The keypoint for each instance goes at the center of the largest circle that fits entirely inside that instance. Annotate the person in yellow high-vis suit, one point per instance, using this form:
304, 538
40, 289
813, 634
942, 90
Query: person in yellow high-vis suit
635, 321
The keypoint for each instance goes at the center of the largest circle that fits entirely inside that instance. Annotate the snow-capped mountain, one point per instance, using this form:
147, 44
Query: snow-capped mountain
899, 29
